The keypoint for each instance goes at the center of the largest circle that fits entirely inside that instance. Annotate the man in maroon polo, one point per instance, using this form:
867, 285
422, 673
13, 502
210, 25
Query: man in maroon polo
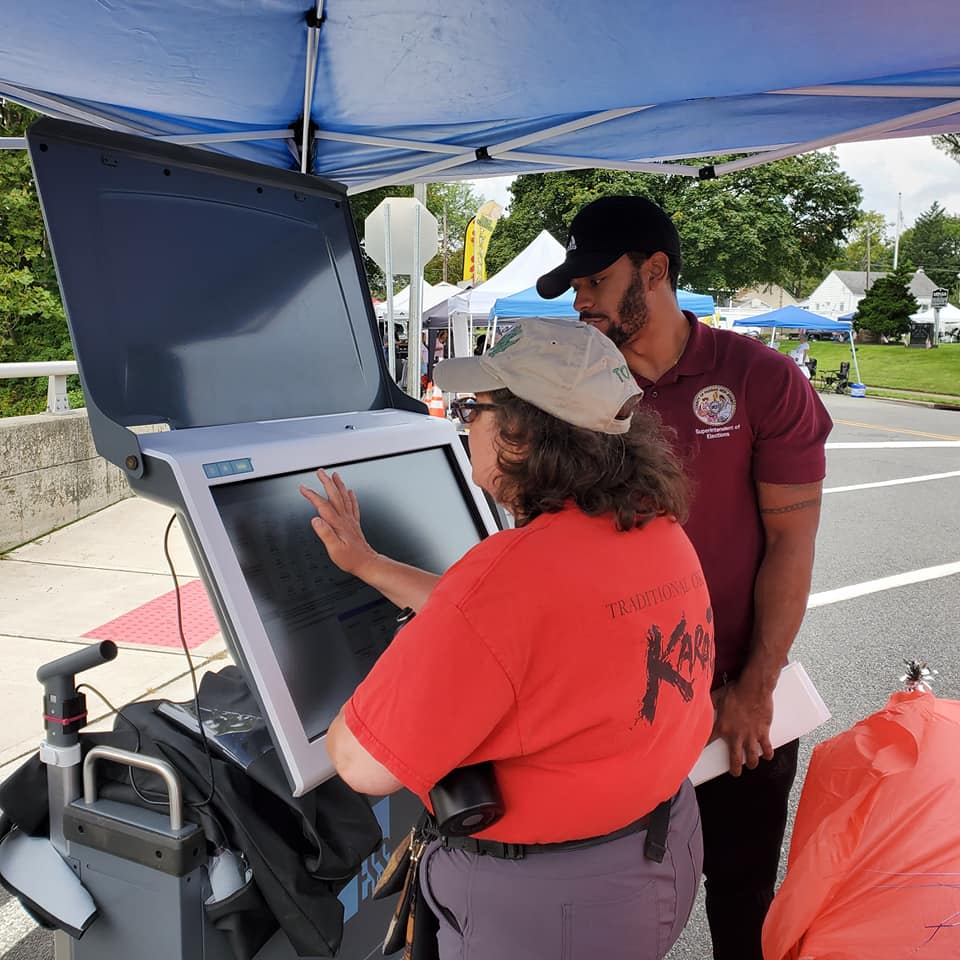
752, 433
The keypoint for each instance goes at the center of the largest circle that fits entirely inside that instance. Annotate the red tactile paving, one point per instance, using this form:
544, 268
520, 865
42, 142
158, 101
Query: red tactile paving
155, 623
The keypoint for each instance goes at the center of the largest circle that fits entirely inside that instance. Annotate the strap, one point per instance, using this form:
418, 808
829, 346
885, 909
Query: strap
655, 847
656, 823
492, 848
517, 851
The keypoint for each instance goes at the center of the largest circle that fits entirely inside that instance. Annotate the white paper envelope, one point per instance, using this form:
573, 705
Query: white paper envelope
797, 709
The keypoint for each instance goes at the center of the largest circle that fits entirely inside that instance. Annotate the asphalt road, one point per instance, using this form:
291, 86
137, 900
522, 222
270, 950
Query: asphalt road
852, 648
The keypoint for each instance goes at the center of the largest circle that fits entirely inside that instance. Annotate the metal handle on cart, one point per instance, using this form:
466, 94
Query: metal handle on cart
154, 765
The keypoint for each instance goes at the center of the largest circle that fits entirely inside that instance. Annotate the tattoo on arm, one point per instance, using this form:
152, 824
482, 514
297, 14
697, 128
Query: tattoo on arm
789, 508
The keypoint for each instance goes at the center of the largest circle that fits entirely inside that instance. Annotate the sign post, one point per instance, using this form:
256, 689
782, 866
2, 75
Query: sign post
938, 300
401, 235
388, 274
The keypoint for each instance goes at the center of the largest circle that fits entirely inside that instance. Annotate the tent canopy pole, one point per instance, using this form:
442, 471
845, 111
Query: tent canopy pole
853, 351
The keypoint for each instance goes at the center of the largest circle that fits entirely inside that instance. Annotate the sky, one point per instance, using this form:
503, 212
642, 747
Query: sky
912, 167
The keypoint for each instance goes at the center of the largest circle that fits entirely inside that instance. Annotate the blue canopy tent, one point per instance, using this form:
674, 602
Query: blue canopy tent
398, 93
528, 303
796, 318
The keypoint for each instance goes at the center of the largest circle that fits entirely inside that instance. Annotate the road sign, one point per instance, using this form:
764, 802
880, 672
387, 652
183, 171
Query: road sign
403, 229
938, 298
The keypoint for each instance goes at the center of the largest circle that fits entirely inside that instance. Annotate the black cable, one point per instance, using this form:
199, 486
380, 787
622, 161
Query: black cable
136, 730
193, 672
161, 800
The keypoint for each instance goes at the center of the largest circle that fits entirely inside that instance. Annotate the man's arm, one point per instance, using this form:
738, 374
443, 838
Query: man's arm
790, 514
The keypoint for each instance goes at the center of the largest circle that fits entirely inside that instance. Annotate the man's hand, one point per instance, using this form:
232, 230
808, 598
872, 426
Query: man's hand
337, 524
743, 719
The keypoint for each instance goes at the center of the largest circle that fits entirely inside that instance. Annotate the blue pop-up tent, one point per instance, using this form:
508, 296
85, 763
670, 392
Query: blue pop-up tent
796, 318
398, 93
529, 303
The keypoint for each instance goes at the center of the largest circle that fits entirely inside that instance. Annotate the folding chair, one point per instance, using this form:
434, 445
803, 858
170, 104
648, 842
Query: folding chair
837, 381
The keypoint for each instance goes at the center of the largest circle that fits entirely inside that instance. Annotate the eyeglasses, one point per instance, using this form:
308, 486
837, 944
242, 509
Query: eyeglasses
468, 409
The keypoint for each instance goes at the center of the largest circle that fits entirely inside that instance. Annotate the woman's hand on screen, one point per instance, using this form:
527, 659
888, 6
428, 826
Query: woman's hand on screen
337, 524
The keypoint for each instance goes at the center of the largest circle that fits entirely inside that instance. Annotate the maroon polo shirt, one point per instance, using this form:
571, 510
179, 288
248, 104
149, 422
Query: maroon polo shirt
742, 413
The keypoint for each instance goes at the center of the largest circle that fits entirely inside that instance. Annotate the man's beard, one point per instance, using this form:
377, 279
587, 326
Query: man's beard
632, 311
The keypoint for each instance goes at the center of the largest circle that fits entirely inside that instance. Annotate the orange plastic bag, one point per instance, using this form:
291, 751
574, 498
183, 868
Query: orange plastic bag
874, 866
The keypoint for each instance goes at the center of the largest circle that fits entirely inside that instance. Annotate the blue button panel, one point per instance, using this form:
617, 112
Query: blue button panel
227, 468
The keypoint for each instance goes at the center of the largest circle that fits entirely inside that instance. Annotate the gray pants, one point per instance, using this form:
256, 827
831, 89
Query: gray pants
604, 901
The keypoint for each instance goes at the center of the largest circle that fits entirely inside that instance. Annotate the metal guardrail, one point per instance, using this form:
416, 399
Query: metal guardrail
56, 372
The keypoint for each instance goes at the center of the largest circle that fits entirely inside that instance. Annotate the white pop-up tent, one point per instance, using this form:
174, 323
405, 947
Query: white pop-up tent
541, 255
432, 295
948, 321
470, 308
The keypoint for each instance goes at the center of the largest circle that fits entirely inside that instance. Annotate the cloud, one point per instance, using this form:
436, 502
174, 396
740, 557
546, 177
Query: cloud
494, 188
913, 167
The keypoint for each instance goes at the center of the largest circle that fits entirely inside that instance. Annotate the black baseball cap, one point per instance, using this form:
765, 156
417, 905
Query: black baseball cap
603, 231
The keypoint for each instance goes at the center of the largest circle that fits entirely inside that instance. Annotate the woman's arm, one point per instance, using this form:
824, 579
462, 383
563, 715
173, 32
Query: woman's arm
354, 765
337, 524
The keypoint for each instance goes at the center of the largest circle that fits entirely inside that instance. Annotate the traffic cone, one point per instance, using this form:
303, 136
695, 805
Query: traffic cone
436, 405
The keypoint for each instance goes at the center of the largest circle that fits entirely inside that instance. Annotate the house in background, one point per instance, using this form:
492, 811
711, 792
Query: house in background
842, 290
768, 296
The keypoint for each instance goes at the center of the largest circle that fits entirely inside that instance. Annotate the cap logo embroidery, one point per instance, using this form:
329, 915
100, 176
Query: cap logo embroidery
622, 373
512, 336
715, 405
571, 243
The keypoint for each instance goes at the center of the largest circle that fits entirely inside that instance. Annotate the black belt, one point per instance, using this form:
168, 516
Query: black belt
656, 823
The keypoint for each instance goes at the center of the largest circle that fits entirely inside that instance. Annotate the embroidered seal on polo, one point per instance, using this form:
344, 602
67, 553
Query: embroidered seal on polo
715, 405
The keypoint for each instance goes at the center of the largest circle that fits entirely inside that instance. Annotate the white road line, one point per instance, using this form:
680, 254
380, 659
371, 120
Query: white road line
884, 583
890, 444
14, 924
893, 483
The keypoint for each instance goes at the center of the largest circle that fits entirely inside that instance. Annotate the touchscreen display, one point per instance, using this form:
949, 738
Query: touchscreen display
326, 627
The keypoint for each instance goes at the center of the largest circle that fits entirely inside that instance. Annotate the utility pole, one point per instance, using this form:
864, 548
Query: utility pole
866, 286
896, 242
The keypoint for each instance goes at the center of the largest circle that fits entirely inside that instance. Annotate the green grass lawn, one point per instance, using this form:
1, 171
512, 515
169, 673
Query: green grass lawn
893, 366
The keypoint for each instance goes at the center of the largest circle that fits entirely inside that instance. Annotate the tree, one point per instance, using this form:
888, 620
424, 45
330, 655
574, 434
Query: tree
460, 203
854, 256
886, 308
933, 242
32, 322
778, 223
949, 143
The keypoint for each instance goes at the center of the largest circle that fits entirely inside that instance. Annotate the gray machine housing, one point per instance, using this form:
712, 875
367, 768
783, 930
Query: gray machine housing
215, 295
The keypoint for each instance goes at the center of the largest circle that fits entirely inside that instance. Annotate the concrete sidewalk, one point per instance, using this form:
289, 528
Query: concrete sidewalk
103, 577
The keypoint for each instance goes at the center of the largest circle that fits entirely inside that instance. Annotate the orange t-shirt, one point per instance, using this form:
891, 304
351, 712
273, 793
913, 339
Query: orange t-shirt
575, 656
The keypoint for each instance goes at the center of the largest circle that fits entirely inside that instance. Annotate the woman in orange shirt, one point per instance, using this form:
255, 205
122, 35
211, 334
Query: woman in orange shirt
574, 653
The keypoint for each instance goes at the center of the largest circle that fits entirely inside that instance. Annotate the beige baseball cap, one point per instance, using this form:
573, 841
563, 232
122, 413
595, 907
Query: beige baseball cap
566, 368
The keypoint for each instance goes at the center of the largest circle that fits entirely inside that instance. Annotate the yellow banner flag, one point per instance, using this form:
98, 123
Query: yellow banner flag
477, 239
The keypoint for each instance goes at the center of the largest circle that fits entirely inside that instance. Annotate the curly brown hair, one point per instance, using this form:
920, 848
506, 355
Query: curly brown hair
544, 462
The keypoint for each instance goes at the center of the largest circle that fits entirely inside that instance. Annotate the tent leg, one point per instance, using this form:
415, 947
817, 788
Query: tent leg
853, 352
